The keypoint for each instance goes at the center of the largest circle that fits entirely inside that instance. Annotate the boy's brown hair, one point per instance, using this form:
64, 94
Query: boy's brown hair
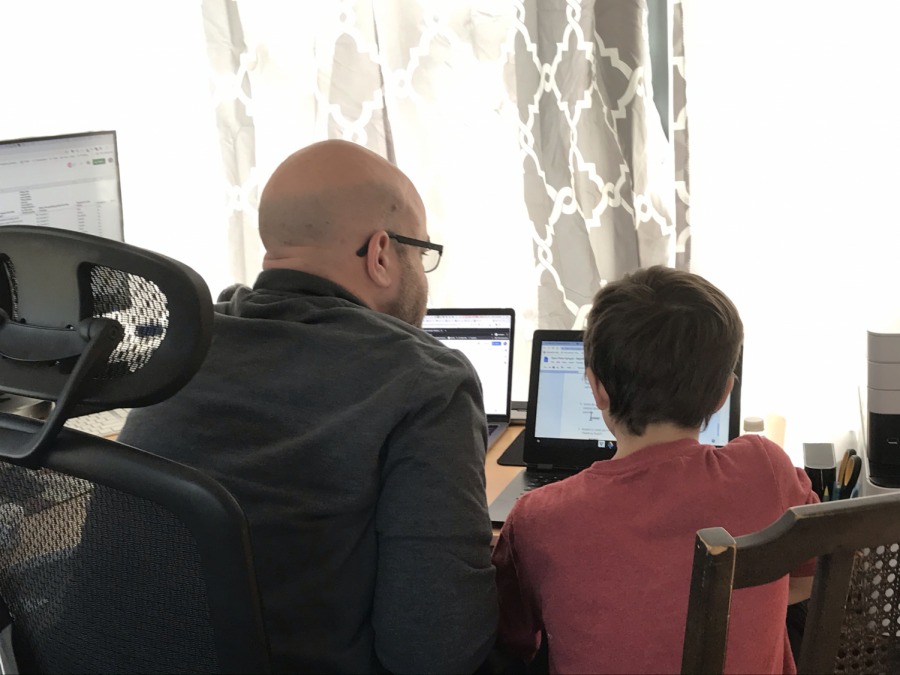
663, 343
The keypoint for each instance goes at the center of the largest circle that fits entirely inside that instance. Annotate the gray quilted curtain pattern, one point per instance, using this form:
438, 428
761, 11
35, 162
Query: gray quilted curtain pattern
593, 150
528, 126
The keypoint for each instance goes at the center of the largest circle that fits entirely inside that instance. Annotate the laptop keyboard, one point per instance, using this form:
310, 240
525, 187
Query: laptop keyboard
534, 479
492, 428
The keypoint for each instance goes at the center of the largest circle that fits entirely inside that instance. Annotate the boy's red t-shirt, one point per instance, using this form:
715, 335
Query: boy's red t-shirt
602, 560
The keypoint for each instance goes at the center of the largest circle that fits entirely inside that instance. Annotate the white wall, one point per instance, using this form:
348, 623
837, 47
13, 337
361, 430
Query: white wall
140, 69
795, 139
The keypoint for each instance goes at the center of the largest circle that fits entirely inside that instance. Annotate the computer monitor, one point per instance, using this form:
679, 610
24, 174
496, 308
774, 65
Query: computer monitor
565, 413
70, 182
485, 336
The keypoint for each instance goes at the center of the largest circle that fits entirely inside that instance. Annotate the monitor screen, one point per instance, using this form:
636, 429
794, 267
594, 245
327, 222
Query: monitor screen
565, 404
486, 340
70, 182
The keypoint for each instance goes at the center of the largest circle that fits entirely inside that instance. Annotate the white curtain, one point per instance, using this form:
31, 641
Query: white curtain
527, 126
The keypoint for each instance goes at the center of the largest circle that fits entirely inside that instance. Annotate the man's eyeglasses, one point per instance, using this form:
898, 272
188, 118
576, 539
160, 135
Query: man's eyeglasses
431, 253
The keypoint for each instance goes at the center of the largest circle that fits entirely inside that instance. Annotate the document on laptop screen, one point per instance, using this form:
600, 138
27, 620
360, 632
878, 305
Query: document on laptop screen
484, 339
565, 404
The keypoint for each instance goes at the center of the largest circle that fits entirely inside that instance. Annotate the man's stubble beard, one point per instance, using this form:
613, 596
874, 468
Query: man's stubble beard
411, 302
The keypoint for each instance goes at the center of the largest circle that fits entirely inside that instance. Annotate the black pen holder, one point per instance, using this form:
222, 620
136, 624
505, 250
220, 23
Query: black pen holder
818, 462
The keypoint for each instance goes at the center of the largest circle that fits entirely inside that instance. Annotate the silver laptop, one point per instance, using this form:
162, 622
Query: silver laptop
564, 430
485, 336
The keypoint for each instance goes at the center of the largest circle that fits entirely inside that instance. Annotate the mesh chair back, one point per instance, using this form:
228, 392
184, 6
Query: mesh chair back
111, 559
853, 625
100, 581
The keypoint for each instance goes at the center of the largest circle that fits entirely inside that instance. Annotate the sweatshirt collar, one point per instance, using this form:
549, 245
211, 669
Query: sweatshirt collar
302, 283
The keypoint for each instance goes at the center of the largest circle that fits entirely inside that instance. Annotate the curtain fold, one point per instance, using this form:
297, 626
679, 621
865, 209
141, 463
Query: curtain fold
229, 62
681, 143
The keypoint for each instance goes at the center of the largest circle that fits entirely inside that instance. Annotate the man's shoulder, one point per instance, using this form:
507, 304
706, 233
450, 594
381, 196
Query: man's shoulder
337, 325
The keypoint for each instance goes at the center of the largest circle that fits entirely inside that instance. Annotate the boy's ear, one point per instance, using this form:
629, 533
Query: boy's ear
728, 387
601, 398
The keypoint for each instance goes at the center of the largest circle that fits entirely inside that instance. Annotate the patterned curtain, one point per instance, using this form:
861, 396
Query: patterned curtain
680, 137
528, 126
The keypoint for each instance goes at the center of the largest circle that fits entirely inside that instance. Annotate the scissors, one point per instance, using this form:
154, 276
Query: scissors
849, 475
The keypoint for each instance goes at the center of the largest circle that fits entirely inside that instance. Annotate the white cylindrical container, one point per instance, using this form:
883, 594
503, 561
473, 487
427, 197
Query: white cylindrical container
755, 425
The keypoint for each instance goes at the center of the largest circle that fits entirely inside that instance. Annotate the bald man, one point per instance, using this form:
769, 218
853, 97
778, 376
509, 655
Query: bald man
353, 441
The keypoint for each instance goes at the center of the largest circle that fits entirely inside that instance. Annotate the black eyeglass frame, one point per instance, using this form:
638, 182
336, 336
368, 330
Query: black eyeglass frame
409, 241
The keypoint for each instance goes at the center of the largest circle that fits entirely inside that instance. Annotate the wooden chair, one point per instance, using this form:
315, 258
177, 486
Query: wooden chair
854, 611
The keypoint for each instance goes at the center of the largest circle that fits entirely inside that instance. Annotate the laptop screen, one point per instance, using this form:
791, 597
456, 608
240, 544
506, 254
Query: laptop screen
565, 404
486, 340
566, 407
70, 182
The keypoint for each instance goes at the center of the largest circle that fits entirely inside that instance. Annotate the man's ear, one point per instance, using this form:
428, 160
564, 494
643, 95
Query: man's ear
728, 387
601, 398
379, 263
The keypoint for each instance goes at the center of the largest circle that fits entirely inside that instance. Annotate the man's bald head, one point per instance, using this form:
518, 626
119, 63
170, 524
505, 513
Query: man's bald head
331, 209
332, 192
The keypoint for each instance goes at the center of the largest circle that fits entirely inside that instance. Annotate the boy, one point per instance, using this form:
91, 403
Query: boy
601, 562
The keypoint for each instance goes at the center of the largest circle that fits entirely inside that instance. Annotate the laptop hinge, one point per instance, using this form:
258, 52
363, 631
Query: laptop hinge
544, 467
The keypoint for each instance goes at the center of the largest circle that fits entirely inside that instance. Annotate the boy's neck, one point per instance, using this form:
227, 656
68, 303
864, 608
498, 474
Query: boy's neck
655, 434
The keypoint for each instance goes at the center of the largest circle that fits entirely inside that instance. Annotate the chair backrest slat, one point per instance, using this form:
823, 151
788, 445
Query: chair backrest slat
709, 606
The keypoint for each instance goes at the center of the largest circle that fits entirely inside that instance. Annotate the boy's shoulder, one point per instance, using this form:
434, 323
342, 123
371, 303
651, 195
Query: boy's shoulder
759, 448
750, 455
553, 505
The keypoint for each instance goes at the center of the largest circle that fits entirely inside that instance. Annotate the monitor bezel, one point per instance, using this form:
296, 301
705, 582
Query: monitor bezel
576, 453
81, 134
492, 311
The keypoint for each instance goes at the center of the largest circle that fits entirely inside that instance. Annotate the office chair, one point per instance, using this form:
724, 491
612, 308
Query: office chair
853, 624
111, 559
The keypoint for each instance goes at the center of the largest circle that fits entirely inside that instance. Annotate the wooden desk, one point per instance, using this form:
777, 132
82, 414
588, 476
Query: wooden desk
496, 476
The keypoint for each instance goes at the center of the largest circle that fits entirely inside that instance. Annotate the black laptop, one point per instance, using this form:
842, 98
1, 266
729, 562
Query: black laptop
564, 430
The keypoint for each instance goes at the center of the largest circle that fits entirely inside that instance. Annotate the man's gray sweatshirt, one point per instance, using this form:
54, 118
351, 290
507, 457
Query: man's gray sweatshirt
355, 445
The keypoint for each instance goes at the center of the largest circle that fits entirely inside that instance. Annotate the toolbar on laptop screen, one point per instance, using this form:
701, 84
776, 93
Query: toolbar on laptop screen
484, 339
566, 407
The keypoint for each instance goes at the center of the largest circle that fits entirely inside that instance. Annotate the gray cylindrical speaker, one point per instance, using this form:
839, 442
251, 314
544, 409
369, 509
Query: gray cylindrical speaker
884, 408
